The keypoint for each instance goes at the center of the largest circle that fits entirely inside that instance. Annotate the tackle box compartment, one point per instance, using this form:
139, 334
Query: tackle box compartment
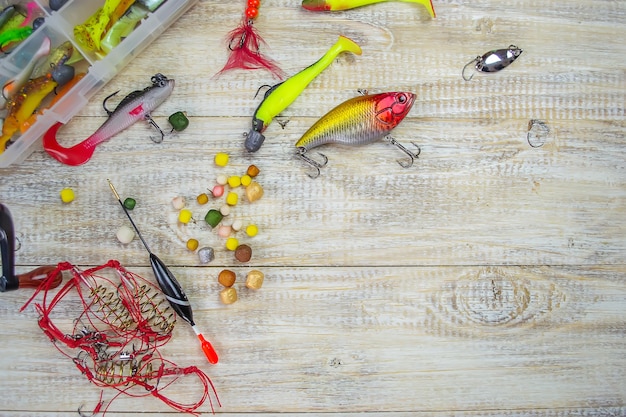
99, 70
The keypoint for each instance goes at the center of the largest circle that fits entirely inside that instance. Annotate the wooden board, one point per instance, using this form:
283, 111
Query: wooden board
488, 279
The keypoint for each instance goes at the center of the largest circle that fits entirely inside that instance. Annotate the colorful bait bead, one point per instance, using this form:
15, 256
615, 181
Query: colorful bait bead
130, 203
202, 198
232, 199
254, 191
246, 180
234, 181
232, 243
227, 278
252, 230
221, 159
125, 234
254, 279
67, 195
192, 244
243, 253
218, 190
179, 121
206, 255
253, 171
213, 218
184, 216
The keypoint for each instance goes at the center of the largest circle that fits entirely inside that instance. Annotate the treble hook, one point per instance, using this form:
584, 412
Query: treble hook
473, 61
104, 103
312, 162
156, 126
411, 155
242, 39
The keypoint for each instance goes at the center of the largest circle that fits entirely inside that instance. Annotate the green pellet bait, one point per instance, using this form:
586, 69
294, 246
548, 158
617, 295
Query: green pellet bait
213, 217
179, 121
130, 203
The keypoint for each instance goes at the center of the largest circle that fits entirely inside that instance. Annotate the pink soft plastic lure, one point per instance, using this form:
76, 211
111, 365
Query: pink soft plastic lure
358, 121
136, 106
336, 5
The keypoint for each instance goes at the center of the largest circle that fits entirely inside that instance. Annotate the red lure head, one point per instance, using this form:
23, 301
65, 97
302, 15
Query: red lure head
391, 108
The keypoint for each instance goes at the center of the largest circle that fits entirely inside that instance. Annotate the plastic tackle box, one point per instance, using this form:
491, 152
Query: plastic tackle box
59, 27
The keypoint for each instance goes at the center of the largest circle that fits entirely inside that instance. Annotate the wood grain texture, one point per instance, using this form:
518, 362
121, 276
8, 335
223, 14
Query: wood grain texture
487, 280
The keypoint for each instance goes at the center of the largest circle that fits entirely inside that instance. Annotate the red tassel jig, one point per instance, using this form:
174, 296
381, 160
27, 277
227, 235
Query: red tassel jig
244, 43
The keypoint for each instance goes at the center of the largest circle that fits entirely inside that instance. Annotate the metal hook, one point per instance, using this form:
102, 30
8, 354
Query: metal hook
463, 72
104, 103
312, 162
156, 126
411, 155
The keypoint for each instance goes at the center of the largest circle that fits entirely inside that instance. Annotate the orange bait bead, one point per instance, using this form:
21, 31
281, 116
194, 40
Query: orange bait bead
252, 12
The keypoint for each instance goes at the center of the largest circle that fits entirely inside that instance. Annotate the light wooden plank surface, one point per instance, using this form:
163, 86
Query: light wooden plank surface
488, 279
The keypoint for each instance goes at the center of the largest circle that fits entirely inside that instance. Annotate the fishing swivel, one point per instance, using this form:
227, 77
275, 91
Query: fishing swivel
492, 61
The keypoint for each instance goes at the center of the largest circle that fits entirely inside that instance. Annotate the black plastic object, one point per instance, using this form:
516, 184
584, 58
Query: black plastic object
8, 281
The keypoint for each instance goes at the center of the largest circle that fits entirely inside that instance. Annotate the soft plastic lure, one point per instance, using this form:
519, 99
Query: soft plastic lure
122, 28
58, 56
493, 61
89, 34
24, 104
12, 86
134, 107
335, 5
59, 94
281, 95
12, 36
358, 121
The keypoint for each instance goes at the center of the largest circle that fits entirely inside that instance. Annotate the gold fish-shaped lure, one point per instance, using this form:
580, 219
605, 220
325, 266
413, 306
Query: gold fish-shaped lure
336, 5
358, 121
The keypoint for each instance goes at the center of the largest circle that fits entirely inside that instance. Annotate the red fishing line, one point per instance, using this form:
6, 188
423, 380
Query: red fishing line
114, 341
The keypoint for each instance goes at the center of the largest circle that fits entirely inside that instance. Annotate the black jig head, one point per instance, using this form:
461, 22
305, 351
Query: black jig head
493, 61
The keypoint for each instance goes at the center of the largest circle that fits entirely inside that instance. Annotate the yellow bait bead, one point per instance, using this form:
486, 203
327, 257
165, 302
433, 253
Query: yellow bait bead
232, 198
234, 181
221, 159
246, 180
184, 216
192, 244
232, 243
252, 230
202, 198
67, 195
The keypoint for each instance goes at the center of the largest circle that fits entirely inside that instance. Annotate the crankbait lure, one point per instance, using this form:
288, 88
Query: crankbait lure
244, 42
335, 5
33, 279
358, 121
134, 107
12, 86
29, 97
171, 288
493, 61
281, 95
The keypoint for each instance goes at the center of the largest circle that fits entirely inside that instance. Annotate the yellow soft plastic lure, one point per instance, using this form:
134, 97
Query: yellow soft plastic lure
24, 105
90, 33
336, 5
280, 96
